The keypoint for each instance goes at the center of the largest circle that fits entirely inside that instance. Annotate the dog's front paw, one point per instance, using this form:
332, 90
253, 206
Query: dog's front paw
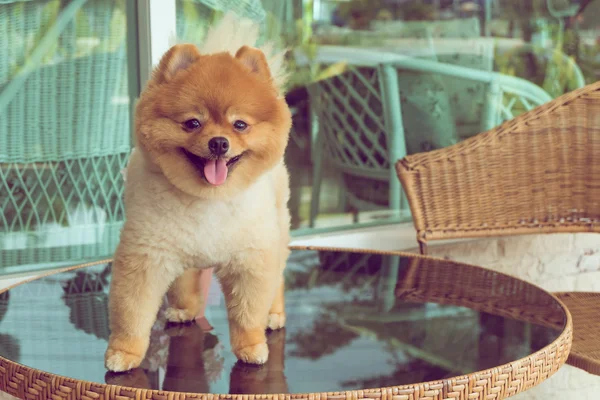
120, 361
179, 315
276, 321
255, 354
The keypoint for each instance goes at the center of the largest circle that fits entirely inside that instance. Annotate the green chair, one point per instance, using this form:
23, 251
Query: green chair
361, 118
64, 131
456, 42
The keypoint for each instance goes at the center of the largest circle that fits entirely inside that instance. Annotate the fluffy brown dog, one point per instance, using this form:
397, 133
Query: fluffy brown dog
206, 187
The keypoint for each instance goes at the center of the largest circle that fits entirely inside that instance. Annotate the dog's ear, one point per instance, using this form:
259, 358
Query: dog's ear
179, 58
255, 60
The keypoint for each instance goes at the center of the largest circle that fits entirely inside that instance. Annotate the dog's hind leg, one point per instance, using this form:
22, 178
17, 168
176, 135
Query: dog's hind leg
185, 297
277, 311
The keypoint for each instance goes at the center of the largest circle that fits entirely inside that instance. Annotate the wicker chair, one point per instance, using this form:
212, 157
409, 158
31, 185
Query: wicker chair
538, 173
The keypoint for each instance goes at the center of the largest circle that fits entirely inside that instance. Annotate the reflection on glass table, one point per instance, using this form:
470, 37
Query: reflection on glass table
355, 320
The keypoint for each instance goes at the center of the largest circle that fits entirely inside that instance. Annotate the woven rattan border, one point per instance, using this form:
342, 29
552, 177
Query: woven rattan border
584, 308
442, 181
497, 383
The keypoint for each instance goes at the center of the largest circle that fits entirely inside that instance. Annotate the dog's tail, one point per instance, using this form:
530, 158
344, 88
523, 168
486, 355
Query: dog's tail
233, 32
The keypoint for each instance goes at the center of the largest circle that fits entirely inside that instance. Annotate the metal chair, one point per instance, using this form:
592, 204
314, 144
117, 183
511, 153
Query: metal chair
368, 116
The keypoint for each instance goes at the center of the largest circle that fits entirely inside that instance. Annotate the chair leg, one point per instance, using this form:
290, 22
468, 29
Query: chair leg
395, 195
355, 215
316, 186
423, 247
343, 196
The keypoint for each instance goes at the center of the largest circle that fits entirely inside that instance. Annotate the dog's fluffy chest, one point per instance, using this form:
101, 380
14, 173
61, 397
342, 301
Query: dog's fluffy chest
219, 229
199, 232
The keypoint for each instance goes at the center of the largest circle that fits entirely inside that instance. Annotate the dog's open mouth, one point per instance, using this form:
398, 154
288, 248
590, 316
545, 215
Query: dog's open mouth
214, 170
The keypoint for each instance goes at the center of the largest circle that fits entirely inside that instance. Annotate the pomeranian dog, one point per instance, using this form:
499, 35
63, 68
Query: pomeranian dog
206, 187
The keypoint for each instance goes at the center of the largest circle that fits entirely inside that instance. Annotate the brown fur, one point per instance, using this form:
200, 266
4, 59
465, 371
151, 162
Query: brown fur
161, 244
187, 373
199, 92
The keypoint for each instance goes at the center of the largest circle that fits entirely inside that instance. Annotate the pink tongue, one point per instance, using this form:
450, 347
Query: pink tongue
215, 171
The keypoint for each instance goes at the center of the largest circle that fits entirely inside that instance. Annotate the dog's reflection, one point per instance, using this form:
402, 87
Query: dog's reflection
187, 372
264, 379
185, 364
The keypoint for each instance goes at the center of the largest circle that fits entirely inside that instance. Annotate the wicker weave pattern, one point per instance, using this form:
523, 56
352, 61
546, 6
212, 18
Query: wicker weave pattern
493, 384
49, 117
585, 308
503, 297
64, 130
350, 110
36, 198
536, 173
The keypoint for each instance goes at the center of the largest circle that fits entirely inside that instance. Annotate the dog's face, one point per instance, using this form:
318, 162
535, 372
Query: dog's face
213, 124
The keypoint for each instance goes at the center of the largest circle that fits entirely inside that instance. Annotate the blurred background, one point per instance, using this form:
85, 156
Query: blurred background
372, 81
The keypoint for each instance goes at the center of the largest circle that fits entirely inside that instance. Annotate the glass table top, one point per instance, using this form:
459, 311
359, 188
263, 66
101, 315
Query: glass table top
354, 321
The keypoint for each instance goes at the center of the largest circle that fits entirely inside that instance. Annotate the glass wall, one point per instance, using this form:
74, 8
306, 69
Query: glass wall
372, 81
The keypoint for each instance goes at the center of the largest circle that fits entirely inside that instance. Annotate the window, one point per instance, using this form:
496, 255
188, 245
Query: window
64, 130
372, 81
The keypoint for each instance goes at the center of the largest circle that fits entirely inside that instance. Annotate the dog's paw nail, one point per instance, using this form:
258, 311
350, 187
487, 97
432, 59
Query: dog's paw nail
120, 361
178, 315
276, 321
256, 354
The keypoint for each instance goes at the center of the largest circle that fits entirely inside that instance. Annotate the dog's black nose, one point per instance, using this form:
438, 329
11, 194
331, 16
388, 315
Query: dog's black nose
218, 145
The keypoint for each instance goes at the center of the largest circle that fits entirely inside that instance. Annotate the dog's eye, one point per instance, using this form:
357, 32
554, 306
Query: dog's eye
240, 125
192, 124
